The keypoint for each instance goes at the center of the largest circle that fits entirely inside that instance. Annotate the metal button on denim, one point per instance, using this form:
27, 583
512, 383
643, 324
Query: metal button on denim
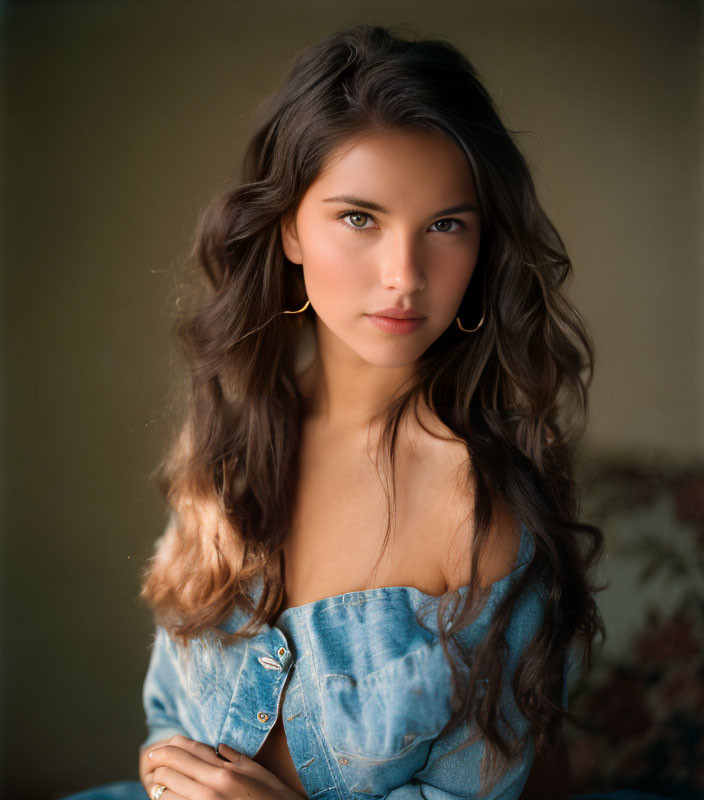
262, 717
269, 663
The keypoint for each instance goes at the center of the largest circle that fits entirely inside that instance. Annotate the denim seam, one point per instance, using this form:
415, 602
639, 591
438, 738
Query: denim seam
234, 690
323, 744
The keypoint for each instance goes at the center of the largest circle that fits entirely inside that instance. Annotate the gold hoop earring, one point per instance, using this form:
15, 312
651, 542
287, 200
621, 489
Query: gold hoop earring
264, 324
470, 330
299, 310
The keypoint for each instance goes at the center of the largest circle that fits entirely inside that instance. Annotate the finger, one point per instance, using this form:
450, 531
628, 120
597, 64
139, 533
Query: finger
248, 766
177, 783
167, 794
143, 760
200, 749
187, 763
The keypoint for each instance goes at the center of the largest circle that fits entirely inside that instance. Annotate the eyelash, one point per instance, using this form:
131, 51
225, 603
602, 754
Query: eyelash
341, 216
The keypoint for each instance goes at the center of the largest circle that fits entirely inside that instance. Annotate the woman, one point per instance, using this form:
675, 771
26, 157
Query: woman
373, 574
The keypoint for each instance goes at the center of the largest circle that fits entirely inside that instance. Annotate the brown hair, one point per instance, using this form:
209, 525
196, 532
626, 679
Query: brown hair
508, 391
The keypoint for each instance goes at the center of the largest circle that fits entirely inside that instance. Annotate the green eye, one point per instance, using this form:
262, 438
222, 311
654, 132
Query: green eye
355, 216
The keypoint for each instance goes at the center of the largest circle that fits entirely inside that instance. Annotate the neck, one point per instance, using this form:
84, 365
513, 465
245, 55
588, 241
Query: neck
346, 391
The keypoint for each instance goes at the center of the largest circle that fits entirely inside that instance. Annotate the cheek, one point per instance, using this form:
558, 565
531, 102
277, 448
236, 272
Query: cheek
331, 268
456, 274
466, 276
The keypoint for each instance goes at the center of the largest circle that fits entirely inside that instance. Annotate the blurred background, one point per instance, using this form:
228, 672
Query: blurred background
120, 121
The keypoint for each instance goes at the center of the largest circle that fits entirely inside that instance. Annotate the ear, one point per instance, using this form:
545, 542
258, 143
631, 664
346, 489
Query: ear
289, 239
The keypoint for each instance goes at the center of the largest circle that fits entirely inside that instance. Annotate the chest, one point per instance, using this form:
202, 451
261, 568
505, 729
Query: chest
336, 542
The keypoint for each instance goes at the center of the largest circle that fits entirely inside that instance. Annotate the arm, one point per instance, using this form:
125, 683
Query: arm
160, 704
162, 688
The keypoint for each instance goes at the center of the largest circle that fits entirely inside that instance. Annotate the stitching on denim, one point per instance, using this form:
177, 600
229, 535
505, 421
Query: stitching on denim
323, 744
235, 691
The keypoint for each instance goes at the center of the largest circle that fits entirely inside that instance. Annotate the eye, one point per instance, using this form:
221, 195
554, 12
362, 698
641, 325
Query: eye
355, 217
357, 221
446, 223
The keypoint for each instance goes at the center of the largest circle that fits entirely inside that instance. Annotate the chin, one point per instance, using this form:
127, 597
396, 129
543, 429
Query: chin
380, 351
394, 356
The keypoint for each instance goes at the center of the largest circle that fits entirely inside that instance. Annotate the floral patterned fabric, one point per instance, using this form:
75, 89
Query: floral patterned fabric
642, 705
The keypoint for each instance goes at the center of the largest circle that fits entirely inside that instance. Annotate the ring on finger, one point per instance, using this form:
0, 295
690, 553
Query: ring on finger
157, 790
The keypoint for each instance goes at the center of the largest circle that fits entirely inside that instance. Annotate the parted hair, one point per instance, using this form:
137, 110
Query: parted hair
515, 391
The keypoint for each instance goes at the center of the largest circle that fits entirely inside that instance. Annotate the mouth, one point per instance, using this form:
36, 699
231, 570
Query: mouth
397, 325
398, 313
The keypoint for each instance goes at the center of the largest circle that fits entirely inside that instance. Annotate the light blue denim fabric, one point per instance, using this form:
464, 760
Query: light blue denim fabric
368, 691
133, 790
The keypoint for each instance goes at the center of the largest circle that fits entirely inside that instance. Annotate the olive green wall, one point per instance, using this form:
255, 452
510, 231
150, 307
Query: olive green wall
121, 120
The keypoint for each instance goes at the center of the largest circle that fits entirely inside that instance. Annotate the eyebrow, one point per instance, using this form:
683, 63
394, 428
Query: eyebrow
358, 201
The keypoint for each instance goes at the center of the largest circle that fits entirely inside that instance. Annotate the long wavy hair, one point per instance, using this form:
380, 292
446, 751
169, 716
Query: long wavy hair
515, 392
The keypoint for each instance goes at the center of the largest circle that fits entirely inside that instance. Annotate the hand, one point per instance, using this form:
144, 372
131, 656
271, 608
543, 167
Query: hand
191, 770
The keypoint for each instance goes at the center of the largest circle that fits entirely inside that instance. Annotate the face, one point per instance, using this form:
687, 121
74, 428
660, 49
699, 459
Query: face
391, 223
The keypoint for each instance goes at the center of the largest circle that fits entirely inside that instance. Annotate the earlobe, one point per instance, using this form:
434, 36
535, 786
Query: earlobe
289, 240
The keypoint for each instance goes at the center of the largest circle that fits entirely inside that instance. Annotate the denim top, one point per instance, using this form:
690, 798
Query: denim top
367, 691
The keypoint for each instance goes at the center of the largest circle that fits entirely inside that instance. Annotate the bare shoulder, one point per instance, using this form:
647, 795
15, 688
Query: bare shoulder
498, 556
449, 472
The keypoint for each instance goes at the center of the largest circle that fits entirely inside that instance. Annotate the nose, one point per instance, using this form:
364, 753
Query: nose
401, 265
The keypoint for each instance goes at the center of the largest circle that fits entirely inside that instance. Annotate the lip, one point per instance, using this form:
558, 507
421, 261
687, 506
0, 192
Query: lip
398, 313
394, 324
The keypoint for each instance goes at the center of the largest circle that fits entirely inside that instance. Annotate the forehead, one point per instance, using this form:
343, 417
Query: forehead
418, 165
